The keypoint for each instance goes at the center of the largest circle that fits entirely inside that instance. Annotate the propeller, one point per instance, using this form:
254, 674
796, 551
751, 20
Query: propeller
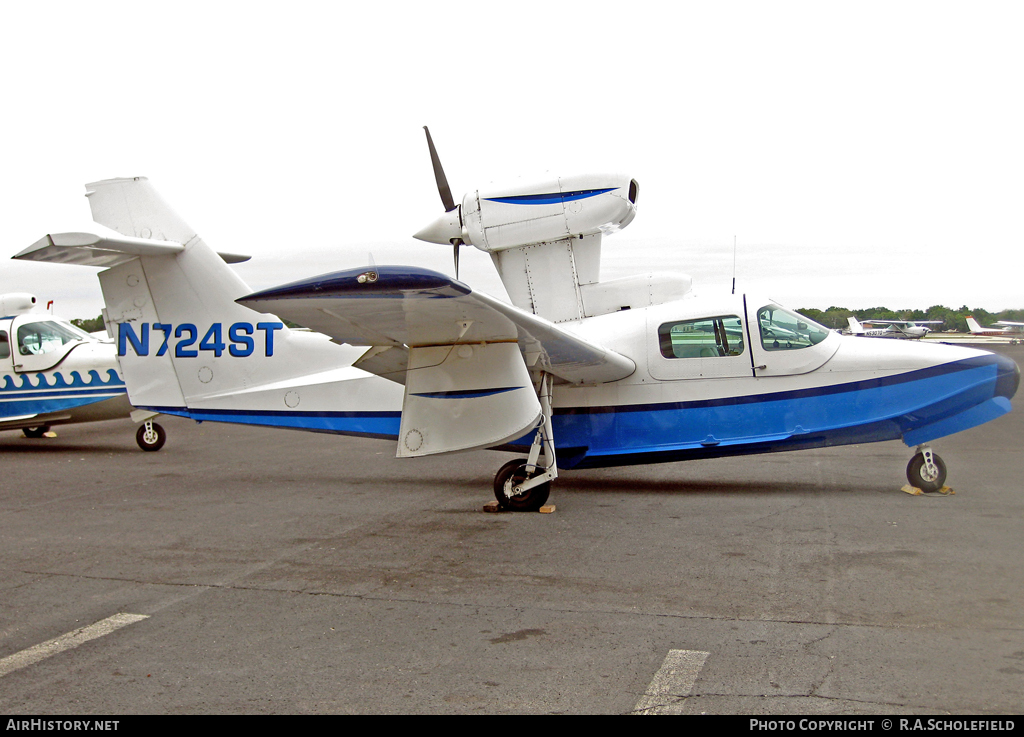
444, 226
442, 181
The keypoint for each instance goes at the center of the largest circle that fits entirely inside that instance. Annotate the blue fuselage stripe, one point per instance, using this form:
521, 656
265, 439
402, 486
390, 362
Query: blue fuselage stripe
363, 424
111, 391
918, 405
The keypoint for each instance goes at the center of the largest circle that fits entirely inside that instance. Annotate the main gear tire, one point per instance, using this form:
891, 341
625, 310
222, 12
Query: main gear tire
512, 474
151, 439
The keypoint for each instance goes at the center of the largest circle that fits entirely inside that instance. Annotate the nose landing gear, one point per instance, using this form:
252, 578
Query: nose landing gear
926, 470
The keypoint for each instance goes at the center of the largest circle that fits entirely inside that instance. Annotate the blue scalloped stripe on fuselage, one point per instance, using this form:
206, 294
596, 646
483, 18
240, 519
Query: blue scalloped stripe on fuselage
54, 393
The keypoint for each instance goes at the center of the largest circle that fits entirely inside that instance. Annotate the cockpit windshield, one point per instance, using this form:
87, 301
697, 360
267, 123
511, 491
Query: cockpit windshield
783, 330
45, 336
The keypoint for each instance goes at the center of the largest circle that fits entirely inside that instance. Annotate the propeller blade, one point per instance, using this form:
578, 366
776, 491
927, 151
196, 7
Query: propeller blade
457, 243
442, 182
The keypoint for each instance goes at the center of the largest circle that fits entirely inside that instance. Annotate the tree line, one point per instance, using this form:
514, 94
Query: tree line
90, 326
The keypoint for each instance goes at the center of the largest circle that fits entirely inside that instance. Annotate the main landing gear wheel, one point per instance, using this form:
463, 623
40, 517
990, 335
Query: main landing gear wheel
926, 477
151, 436
36, 432
511, 475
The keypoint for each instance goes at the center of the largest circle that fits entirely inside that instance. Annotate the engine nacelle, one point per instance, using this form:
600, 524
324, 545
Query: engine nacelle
16, 303
537, 213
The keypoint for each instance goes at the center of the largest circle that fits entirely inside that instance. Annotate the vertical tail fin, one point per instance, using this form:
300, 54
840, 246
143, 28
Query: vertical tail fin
133, 208
184, 343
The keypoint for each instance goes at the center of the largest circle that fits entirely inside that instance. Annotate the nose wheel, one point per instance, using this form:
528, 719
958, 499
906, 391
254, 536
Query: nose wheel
926, 471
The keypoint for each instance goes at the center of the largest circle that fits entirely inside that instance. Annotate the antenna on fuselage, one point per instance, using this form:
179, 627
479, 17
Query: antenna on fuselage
734, 264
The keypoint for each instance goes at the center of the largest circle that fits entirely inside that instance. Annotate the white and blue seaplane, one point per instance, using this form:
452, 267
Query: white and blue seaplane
52, 373
575, 373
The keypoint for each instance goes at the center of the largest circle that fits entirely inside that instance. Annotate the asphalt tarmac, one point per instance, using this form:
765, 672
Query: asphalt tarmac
285, 572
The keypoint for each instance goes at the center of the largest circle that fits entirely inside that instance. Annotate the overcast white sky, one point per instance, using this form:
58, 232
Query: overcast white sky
862, 153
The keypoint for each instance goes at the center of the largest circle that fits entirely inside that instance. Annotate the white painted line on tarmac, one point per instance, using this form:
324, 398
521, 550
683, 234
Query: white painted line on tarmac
672, 683
67, 641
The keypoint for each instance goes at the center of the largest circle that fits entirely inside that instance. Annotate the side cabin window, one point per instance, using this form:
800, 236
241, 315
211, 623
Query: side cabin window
36, 338
5, 345
709, 337
782, 330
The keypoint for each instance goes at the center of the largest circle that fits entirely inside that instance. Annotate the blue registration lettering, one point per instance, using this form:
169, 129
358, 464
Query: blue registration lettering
166, 328
181, 350
239, 334
213, 341
269, 328
125, 335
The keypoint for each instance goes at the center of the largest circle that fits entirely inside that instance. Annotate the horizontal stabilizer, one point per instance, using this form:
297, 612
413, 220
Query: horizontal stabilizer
86, 249
407, 306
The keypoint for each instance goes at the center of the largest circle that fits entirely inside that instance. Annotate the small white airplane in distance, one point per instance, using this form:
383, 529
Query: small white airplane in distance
905, 329
1005, 327
52, 373
575, 373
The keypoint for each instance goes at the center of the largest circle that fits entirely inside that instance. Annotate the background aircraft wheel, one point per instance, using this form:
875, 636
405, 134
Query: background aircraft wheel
151, 439
36, 432
919, 477
514, 472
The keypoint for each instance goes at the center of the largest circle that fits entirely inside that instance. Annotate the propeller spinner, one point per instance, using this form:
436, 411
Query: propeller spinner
448, 227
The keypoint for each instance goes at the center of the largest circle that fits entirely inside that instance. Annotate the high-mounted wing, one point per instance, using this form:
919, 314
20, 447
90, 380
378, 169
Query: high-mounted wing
902, 322
402, 307
464, 358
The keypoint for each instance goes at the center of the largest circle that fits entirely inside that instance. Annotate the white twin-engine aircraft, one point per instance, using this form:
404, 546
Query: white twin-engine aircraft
593, 373
52, 373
